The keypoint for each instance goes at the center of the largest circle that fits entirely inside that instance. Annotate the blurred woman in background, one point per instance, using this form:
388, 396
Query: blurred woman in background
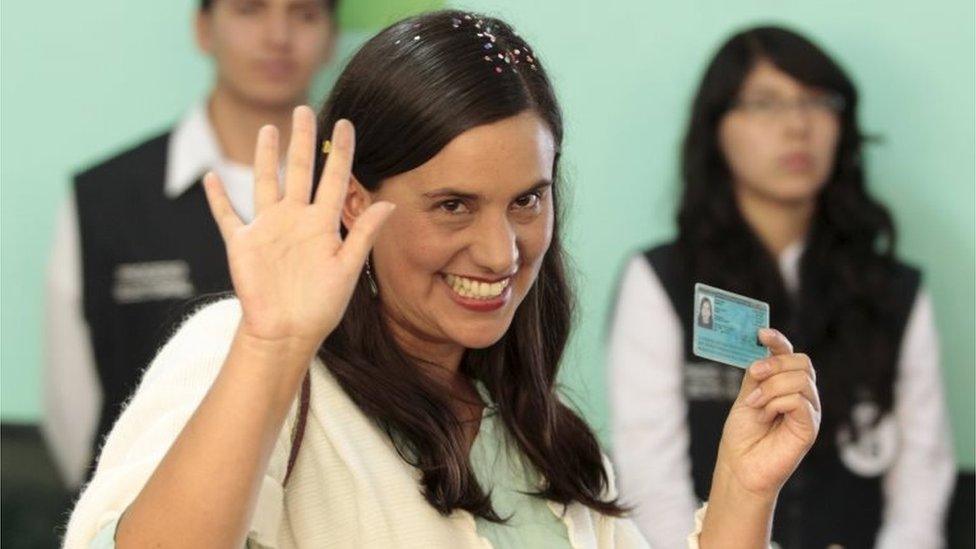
775, 207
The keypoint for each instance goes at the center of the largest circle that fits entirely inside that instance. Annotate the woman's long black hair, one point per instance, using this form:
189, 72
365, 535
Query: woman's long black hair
409, 91
844, 321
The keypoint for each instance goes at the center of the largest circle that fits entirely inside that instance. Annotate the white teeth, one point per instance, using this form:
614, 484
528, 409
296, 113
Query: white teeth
466, 287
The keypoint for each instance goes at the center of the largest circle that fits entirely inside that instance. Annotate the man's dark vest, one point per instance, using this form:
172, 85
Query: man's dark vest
144, 257
823, 502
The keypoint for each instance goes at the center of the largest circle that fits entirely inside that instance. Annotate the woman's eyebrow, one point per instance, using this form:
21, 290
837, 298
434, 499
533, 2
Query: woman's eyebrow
539, 185
448, 191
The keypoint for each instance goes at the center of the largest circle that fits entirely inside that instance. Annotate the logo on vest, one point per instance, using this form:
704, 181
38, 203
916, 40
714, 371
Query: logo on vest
865, 450
152, 281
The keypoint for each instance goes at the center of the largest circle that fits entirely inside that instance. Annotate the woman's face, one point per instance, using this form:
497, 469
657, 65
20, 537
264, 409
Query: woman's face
467, 239
780, 141
706, 310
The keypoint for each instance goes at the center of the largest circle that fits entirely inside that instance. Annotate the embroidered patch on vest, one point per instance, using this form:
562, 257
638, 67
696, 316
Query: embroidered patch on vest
152, 281
865, 450
711, 381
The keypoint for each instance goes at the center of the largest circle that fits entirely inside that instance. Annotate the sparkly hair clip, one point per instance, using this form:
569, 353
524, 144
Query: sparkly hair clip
505, 58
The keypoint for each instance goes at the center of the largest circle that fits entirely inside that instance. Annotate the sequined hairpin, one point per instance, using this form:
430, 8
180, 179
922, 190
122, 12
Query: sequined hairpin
501, 58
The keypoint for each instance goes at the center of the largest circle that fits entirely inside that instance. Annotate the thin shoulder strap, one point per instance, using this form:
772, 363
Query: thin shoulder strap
299, 433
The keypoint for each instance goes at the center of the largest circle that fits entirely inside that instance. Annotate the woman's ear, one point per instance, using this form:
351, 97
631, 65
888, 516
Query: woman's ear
201, 30
357, 200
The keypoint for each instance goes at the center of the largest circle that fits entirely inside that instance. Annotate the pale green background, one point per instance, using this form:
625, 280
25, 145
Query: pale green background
80, 80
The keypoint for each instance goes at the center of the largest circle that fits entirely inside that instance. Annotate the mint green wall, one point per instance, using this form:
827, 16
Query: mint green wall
87, 78
625, 72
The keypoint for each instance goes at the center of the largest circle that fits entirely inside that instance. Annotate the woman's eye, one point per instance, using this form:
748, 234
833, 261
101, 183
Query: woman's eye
528, 201
453, 206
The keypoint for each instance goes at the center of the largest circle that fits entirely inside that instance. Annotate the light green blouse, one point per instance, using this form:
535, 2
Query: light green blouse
499, 468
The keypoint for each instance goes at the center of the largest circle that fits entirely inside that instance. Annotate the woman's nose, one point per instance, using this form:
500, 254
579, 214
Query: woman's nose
797, 120
495, 246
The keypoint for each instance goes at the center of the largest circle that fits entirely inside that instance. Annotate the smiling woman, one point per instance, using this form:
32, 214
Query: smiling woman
462, 132
485, 234
414, 402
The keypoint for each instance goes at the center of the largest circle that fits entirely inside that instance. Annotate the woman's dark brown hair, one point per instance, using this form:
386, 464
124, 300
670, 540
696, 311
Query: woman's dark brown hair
409, 91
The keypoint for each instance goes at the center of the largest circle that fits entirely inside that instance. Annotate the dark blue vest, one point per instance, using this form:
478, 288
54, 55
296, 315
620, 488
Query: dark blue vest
824, 502
144, 257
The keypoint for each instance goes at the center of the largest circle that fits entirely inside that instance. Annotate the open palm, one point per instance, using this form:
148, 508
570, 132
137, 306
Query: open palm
291, 270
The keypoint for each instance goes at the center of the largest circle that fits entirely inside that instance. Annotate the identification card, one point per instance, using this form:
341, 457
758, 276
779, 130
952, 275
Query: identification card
726, 326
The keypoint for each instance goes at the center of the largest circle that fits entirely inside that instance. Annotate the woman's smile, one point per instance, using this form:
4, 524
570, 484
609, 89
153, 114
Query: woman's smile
478, 294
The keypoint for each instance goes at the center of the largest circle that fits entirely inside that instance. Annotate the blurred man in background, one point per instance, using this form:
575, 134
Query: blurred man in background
135, 239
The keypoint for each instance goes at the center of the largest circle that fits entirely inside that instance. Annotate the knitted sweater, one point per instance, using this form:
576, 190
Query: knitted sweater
349, 487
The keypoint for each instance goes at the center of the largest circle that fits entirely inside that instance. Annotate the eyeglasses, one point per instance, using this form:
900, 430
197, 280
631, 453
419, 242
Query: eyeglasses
774, 108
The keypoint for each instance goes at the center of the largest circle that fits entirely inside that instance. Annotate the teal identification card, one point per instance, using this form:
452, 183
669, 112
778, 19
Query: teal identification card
726, 326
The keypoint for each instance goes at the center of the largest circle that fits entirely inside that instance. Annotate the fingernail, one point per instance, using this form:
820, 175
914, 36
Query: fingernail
753, 397
766, 332
760, 368
342, 139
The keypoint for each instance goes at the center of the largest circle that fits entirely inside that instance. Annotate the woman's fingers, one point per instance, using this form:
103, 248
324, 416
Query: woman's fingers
776, 364
298, 180
266, 189
223, 213
796, 408
363, 233
786, 383
775, 341
338, 169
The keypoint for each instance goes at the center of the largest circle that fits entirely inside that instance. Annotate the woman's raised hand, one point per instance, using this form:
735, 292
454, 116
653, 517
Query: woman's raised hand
773, 422
291, 270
